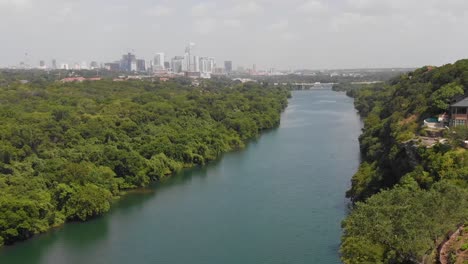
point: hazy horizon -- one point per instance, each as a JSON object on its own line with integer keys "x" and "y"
{"x": 297, "y": 34}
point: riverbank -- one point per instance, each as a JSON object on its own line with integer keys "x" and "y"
{"x": 68, "y": 151}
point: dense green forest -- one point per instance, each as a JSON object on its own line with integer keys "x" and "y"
{"x": 68, "y": 150}
{"x": 406, "y": 196}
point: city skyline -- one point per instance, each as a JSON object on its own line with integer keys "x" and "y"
{"x": 296, "y": 34}
{"x": 191, "y": 61}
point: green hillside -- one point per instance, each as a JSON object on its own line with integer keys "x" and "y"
{"x": 407, "y": 195}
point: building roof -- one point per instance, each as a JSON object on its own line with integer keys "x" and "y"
{"x": 462, "y": 103}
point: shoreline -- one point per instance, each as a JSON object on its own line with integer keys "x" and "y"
{"x": 148, "y": 189}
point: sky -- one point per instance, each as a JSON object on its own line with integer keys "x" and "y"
{"x": 281, "y": 34}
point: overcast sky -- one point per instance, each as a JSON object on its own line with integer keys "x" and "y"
{"x": 284, "y": 34}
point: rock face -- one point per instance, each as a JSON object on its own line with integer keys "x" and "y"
{"x": 411, "y": 153}
{"x": 406, "y": 160}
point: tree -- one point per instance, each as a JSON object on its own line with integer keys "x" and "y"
{"x": 442, "y": 98}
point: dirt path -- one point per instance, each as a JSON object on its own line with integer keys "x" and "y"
{"x": 445, "y": 249}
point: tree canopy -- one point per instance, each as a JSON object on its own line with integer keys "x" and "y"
{"x": 68, "y": 150}
{"x": 406, "y": 196}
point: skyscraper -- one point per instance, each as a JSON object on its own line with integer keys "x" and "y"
{"x": 207, "y": 64}
{"x": 178, "y": 64}
{"x": 54, "y": 64}
{"x": 140, "y": 65}
{"x": 204, "y": 64}
{"x": 128, "y": 62}
{"x": 196, "y": 64}
{"x": 159, "y": 61}
{"x": 189, "y": 60}
{"x": 228, "y": 66}
{"x": 211, "y": 65}
{"x": 186, "y": 63}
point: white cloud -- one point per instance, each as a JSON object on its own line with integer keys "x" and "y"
{"x": 159, "y": 11}
{"x": 287, "y": 36}
{"x": 279, "y": 26}
{"x": 205, "y": 26}
{"x": 18, "y": 4}
{"x": 245, "y": 9}
{"x": 351, "y": 21}
{"x": 232, "y": 23}
{"x": 312, "y": 7}
{"x": 410, "y": 8}
{"x": 202, "y": 9}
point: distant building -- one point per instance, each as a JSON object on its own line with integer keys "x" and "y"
{"x": 228, "y": 66}
{"x": 241, "y": 69}
{"x": 192, "y": 74}
{"x": 244, "y": 80}
{"x": 189, "y": 58}
{"x": 94, "y": 65}
{"x": 158, "y": 63}
{"x": 133, "y": 66}
{"x": 112, "y": 66}
{"x": 79, "y": 79}
{"x": 167, "y": 65}
{"x": 186, "y": 63}
{"x": 84, "y": 65}
{"x": 196, "y": 64}
{"x": 219, "y": 71}
{"x": 459, "y": 113}
{"x": 128, "y": 62}
{"x": 64, "y": 66}
{"x": 54, "y": 64}
{"x": 140, "y": 65}
{"x": 73, "y": 79}
{"x": 205, "y": 75}
{"x": 207, "y": 65}
{"x": 42, "y": 64}
{"x": 178, "y": 64}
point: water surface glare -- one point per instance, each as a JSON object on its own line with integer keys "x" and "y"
{"x": 281, "y": 200}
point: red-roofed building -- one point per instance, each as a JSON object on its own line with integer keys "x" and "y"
{"x": 79, "y": 79}
{"x": 73, "y": 79}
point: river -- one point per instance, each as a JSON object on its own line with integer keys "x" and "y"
{"x": 280, "y": 200}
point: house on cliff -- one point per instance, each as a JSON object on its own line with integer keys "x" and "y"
{"x": 459, "y": 113}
